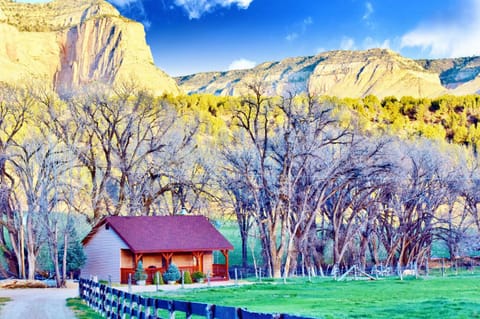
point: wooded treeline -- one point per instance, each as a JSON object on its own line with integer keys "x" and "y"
{"x": 318, "y": 180}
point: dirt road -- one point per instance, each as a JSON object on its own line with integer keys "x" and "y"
{"x": 37, "y": 303}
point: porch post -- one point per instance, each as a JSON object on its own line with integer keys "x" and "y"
{"x": 199, "y": 256}
{"x": 137, "y": 259}
{"x": 225, "y": 254}
{"x": 167, "y": 257}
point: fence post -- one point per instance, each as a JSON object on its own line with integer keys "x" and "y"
{"x": 183, "y": 279}
{"x": 399, "y": 271}
{"x": 80, "y": 284}
{"x": 188, "y": 311}
{"x": 171, "y": 309}
{"x": 236, "y": 277}
{"x": 210, "y": 311}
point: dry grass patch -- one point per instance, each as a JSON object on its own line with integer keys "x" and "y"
{"x": 19, "y": 284}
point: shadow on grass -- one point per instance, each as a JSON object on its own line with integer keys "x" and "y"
{"x": 81, "y": 310}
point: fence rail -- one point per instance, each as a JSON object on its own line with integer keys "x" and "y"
{"x": 118, "y": 304}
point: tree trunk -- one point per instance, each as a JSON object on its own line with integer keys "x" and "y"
{"x": 31, "y": 254}
{"x": 58, "y": 278}
{"x": 244, "y": 228}
{"x": 54, "y": 255}
{"x": 64, "y": 259}
{"x": 372, "y": 247}
{"x": 363, "y": 250}
{"x": 32, "y": 262}
{"x": 292, "y": 254}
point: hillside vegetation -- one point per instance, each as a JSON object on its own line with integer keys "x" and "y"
{"x": 54, "y": 15}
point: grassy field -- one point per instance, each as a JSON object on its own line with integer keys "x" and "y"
{"x": 435, "y": 297}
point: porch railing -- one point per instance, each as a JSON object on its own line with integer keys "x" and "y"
{"x": 219, "y": 271}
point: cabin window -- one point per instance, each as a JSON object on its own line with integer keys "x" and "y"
{"x": 107, "y": 226}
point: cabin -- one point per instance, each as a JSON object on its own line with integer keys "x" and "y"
{"x": 117, "y": 243}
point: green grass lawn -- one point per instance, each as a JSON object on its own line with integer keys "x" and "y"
{"x": 3, "y": 301}
{"x": 435, "y": 297}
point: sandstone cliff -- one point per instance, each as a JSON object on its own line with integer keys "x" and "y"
{"x": 347, "y": 74}
{"x": 72, "y": 43}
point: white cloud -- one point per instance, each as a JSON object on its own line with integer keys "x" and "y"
{"x": 196, "y": 8}
{"x": 347, "y": 43}
{"x": 241, "y": 64}
{"x": 368, "y": 10}
{"x": 459, "y": 37}
{"x": 369, "y": 43}
{"x": 147, "y": 24}
{"x": 291, "y": 36}
{"x": 307, "y": 21}
{"x": 299, "y": 29}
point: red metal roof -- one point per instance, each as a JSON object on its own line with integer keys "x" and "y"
{"x": 147, "y": 234}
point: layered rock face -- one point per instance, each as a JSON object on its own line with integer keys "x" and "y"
{"x": 74, "y": 43}
{"x": 379, "y": 72}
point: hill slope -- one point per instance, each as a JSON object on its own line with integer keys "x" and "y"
{"x": 71, "y": 43}
{"x": 379, "y": 72}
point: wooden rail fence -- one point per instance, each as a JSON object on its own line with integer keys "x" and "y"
{"x": 118, "y": 304}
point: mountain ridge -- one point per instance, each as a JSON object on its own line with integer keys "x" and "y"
{"x": 70, "y": 44}
{"x": 380, "y": 72}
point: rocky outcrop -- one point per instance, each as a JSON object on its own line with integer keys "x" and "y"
{"x": 379, "y": 72}
{"x": 73, "y": 43}
{"x": 461, "y": 74}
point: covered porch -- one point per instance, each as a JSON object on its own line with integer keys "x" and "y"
{"x": 186, "y": 261}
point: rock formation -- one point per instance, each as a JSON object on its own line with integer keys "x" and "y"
{"x": 379, "y": 72}
{"x": 73, "y": 43}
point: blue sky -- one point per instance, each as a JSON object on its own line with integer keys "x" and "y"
{"x": 189, "y": 36}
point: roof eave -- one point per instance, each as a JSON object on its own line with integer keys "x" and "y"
{"x": 153, "y": 251}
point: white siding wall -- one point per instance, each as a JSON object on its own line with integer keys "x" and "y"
{"x": 103, "y": 255}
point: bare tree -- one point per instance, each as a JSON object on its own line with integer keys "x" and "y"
{"x": 456, "y": 223}
{"x": 15, "y": 106}
{"x": 407, "y": 224}
{"x": 275, "y": 146}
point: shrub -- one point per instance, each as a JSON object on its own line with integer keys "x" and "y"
{"x": 139, "y": 272}
{"x": 187, "y": 278}
{"x": 198, "y": 275}
{"x": 158, "y": 279}
{"x": 172, "y": 273}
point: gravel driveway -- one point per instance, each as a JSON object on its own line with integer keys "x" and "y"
{"x": 37, "y": 303}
